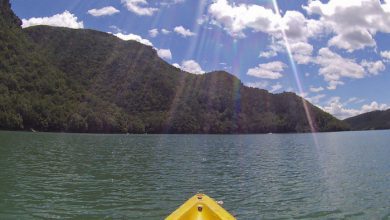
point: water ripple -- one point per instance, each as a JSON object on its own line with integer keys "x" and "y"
{"x": 67, "y": 176}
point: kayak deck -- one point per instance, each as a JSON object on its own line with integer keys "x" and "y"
{"x": 200, "y": 207}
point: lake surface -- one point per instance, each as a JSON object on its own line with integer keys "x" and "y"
{"x": 276, "y": 176}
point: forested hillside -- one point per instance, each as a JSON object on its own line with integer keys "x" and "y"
{"x": 375, "y": 120}
{"x": 59, "y": 79}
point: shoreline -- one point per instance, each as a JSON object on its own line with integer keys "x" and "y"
{"x": 273, "y": 133}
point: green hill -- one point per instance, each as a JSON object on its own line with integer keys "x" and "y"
{"x": 59, "y": 79}
{"x": 375, "y": 120}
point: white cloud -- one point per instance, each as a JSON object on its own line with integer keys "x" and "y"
{"x": 183, "y": 32}
{"x": 302, "y": 52}
{"x": 351, "y": 25}
{"x": 298, "y": 28}
{"x": 374, "y": 106}
{"x": 268, "y": 54}
{"x": 139, "y": 7}
{"x": 164, "y": 53}
{"x": 134, "y": 37}
{"x": 276, "y": 46}
{"x": 276, "y": 87}
{"x": 373, "y": 67}
{"x": 236, "y": 18}
{"x": 190, "y": 66}
{"x": 153, "y": 32}
{"x": 270, "y": 70}
{"x": 316, "y": 99}
{"x": 339, "y": 109}
{"x": 355, "y": 22}
{"x": 333, "y": 84}
{"x": 353, "y": 40}
{"x": 66, "y": 19}
{"x": 316, "y": 89}
{"x": 165, "y": 31}
{"x": 202, "y": 20}
{"x": 103, "y": 11}
{"x": 259, "y": 84}
{"x": 334, "y": 67}
{"x": 386, "y": 55}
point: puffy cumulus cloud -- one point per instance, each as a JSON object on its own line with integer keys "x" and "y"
{"x": 153, "y": 32}
{"x": 66, "y": 19}
{"x": 190, "y": 66}
{"x": 298, "y": 28}
{"x": 350, "y": 25}
{"x": 354, "y": 22}
{"x": 165, "y": 31}
{"x": 337, "y": 109}
{"x": 276, "y": 46}
{"x": 106, "y": 11}
{"x": 302, "y": 52}
{"x": 268, "y": 54}
{"x": 316, "y": 89}
{"x": 271, "y": 70}
{"x": 333, "y": 84}
{"x": 236, "y": 18}
{"x": 134, "y": 37}
{"x": 374, "y": 106}
{"x": 139, "y": 7}
{"x": 183, "y": 32}
{"x": 293, "y": 25}
{"x": 164, "y": 53}
{"x": 341, "y": 111}
{"x": 373, "y": 67}
{"x": 352, "y": 40}
{"x": 385, "y": 55}
{"x": 334, "y": 67}
{"x": 259, "y": 84}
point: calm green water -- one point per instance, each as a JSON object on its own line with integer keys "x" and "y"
{"x": 345, "y": 176}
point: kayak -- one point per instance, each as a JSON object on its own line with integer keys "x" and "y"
{"x": 200, "y": 207}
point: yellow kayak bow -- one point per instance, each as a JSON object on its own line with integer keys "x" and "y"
{"x": 200, "y": 207}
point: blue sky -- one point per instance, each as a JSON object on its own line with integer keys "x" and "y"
{"x": 334, "y": 53}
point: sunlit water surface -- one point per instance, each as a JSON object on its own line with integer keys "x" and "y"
{"x": 275, "y": 176}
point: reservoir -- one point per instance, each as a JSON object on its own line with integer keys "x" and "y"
{"x": 342, "y": 175}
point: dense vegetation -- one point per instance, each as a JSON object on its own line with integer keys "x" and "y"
{"x": 375, "y": 120}
{"x": 59, "y": 79}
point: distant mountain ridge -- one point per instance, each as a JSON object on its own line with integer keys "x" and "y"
{"x": 376, "y": 120}
{"x": 60, "y": 79}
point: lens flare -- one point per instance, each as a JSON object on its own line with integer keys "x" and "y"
{"x": 295, "y": 72}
